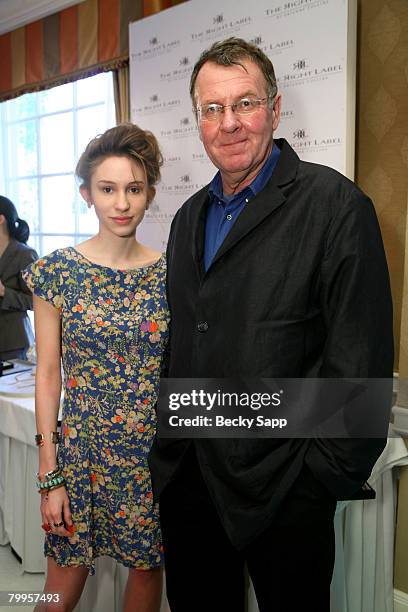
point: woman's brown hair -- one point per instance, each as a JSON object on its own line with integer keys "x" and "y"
{"x": 124, "y": 140}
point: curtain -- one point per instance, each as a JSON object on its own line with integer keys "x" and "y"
{"x": 121, "y": 93}
{"x": 80, "y": 41}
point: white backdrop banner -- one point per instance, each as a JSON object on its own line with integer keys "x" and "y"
{"x": 307, "y": 43}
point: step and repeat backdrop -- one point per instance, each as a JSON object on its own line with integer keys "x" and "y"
{"x": 312, "y": 46}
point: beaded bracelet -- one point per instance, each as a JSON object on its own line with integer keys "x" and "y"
{"x": 49, "y": 484}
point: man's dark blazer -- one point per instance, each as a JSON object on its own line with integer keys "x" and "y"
{"x": 15, "y": 328}
{"x": 299, "y": 288}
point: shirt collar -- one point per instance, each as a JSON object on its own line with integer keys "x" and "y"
{"x": 265, "y": 173}
{"x": 215, "y": 188}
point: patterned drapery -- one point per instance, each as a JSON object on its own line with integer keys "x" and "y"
{"x": 79, "y": 41}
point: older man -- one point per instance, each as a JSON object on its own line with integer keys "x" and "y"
{"x": 275, "y": 269}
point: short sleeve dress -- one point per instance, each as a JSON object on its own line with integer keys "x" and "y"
{"x": 114, "y": 329}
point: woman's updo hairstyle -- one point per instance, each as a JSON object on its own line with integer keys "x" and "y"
{"x": 17, "y": 228}
{"x": 127, "y": 140}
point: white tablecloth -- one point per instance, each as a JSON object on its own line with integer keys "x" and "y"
{"x": 363, "y": 573}
{"x": 20, "y": 518}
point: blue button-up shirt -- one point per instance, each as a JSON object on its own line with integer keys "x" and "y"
{"x": 224, "y": 210}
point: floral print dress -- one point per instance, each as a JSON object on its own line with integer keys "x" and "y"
{"x": 114, "y": 329}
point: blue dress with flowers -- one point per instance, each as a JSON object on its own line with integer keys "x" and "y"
{"x": 114, "y": 328}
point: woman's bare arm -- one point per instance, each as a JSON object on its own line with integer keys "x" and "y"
{"x": 55, "y": 504}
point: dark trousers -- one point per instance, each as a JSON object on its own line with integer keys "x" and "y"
{"x": 290, "y": 564}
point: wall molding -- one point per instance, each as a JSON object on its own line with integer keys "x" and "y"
{"x": 17, "y": 13}
{"x": 400, "y": 601}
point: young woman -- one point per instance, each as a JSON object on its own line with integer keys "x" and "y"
{"x": 15, "y": 299}
{"x": 102, "y": 306}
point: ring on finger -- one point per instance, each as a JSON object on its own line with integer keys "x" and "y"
{"x": 59, "y": 524}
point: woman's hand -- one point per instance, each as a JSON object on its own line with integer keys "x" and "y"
{"x": 55, "y": 510}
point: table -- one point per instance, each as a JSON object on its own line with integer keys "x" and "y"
{"x": 20, "y": 518}
{"x": 363, "y": 573}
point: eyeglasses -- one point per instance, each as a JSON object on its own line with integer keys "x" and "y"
{"x": 245, "y": 106}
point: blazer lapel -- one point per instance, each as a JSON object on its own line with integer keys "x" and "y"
{"x": 254, "y": 213}
{"x": 197, "y": 223}
{"x": 268, "y": 200}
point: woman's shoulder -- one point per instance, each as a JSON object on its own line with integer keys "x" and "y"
{"x": 151, "y": 260}
{"x": 159, "y": 262}
{"x": 22, "y": 251}
{"x": 59, "y": 257}
{"x": 47, "y": 276}
{"x": 50, "y": 265}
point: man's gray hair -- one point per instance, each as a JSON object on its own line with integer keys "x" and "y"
{"x": 232, "y": 51}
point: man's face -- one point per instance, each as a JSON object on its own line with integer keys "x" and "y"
{"x": 236, "y": 144}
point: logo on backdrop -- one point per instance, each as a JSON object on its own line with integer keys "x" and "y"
{"x": 157, "y": 212}
{"x": 181, "y": 186}
{"x": 300, "y": 134}
{"x": 301, "y": 141}
{"x": 156, "y": 105}
{"x": 200, "y": 158}
{"x": 182, "y": 70}
{"x": 300, "y": 64}
{"x": 171, "y": 160}
{"x": 154, "y": 48}
{"x": 183, "y": 129}
{"x": 221, "y": 27}
{"x": 291, "y": 7}
{"x": 274, "y": 47}
{"x": 304, "y": 72}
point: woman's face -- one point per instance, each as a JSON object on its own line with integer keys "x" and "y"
{"x": 119, "y": 194}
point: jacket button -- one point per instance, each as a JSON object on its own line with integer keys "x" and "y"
{"x": 202, "y": 326}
